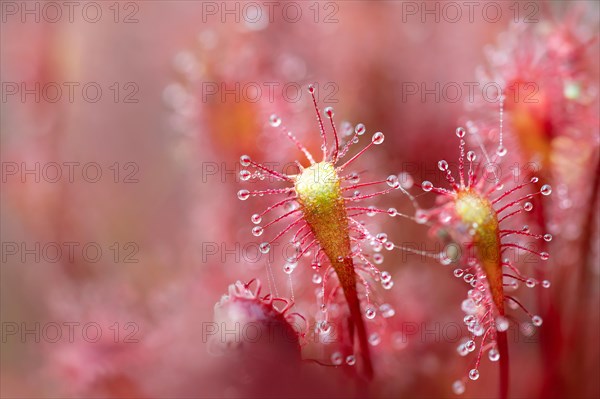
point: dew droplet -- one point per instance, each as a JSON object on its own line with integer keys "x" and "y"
{"x": 501, "y": 323}
{"x": 474, "y": 374}
{"x": 374, "y": 339}
{"x": 547, "y": 237}
{"x": 427, "y": 185}
{"x": 458, "y": 387}
{"x": 387, "y": 285}
{"x": 406, "y": 180}
{"x": 494, "y": 355}
{"x": 378, "y": 259}
{"x": 460, "y": 132}
{"x": 471, "y": 156}
{"x": 528, "y": 206}
{"x": 382, "y": 237}
{"x": 385, "y": 276}
{"x": 316, "y": 278}
{"x": 288, "y": 268}
{"x": 443, "y": 165}
{"x": 387, "y": 310}
{"x": 501, "y": 151}
{"x": 245, "y": 160}
{"x": 256, "y": 218}
{"x": 537, "y": 320}
{"x": 546, "y": 284}
{"x": 468, "y": 306}
{"x": 392, "y": 181}
{"x": 421, "y": 216}
{"x": 530, "y": 283}
{"x": 392, "y": 212}
{"x": 264, "y": 248}
{"x": 243, "y": 195}
{"x": 370, "y": 313}
{"x": 329, "y": 112}
{"x": 546, "y": 189}
{"x": 257, "y": 231}
{"x": 350, "y": 360}
{"x": 470, "y": 345}
{"x": 360, "y": 129}
{"x": 337, "y": 358}
{"x": 245, "y": 175}
{"x": 274, "y": 120}
{"x": 377, "y": 138}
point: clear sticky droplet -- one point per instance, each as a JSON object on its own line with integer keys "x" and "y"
{"x": 546, "y": 189}
{"x": 245, "y": 175}
{"x": 501, "y": 151}
{"x": 245, "y": 160}
{"x": 387, "y": 310}
{"x": 243, "y": 195}
{"x": 460, "y": 132}
{"x": 385, "y": 276}
{"x": 458, "y": 387}
{"x": 546, "y": 284}
{"x": 370, "y": 313}
{"x": 257, "y": 231}
{"x": 256, "y": 218}
{"x": 274, "y": 120}
{"x": 377, "y": 138}
{"x": 443, "y": 165}
{"x": 501, "y": 323}
{"x": 329, "y": 112}
{"x": 360, "y": 129}
{"x": 427, "y": 185}
{"x": 387, "y": 285}
{"x": 494, "y": 355}
{"x": 474, "y": 374}
{"x": 374, "y": 339}
{"x": 471, "y": 156}
{"x": 421, "y": 216}
{"x": 264, "y": 248}
{"x": 337, "y": 358}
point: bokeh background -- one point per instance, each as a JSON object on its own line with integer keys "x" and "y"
{"x": 158, "y": 234}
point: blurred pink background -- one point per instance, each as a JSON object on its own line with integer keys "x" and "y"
{"x": 172, "y": 233}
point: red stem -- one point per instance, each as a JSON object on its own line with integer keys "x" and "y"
{"x": 502, "y": 342}
{"x": 347, "y": 278}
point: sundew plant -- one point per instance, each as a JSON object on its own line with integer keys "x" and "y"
{"x": 300, "y": 199}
